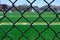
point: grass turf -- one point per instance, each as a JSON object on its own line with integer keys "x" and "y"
{"x": 31, "y": 16}
{"x": 31, "y": 33}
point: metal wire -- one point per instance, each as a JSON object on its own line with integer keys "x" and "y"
{"x": 31, "y": 23}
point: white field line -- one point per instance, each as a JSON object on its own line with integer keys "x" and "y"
{"x": 26, "y": 23}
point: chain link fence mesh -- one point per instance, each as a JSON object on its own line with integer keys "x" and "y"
{"x": 43, "y": 31}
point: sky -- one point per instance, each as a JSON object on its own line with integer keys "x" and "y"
{"x": 38, "y": 3}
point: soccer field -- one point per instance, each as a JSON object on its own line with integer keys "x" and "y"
{"x": 23, "y": 25}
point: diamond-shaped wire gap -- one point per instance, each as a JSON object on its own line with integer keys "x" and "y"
{"x": 22, "y": 21}
{"x": 40, "y": 4}
{"x": 14, "y": 15}
{"x": 8, "y": 4}
{"x": 23, "y": 38}
{"x": 23, "y": 24}
{"x": 13, "y": 0}
{"x": 22, "y": 3}
{"x": 5, "y": 21}
{"x": 48, "y": 16}
{"x": 31, "y": 34}
{"x": 55, "y": 27}
{"x": 40, "y": 38}
{"x": 1, "y": 14}
{"x": 55, "y": 22}
{"x": 49, "y": 1}
{"x": 2, "y": 34}
{"x": 39, "y": 22}
{"x": 23, "y": 27}
{"x": 31, "y": 1}
{"x": 53, "y": 7}
{"x": 48, "y": 34}
{"x": 55, "y": 1}
{"x": 6, "y": 27}
{"x": 14, "y": 33}
{"x": 7, "y": 38}
{"x": 31, "y": 15}
{"x": 23, "y": 8}
{"x": 40, "y": 28}
{"x": 46, "y": 8}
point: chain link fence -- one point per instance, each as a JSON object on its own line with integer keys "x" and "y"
{"x": 32, "y": 31}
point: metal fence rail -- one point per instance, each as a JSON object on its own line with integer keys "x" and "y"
{"x": 30, "y": 23}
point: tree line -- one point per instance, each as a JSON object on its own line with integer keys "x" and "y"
{"x": 22, "y": 8}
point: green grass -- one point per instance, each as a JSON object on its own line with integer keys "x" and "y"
{"x": 31, "y": 33}
{"x": 31, "y": 16}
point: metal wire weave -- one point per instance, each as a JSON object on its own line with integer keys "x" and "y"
{"x": 31, "y": 23}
